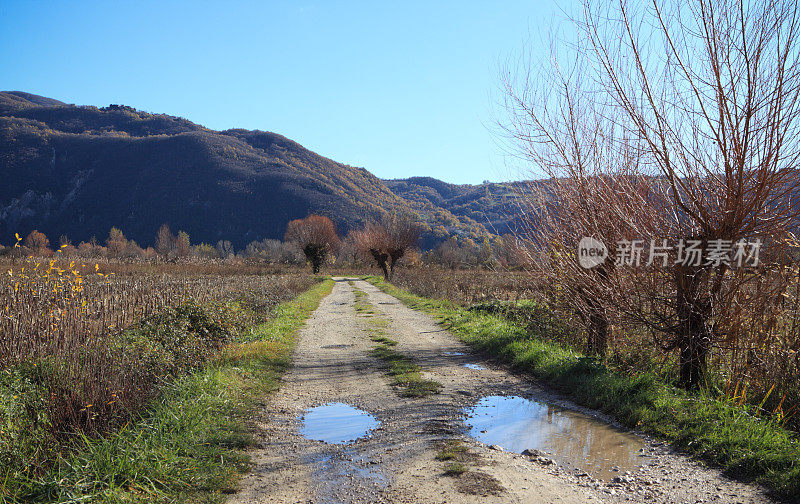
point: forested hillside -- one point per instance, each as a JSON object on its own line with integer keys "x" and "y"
{"x": 490, "y": 205}
{"x": 79, "y": 170}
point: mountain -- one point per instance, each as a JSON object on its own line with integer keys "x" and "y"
{"x": 79, "y": 170}
{"x": 490, "y": 205}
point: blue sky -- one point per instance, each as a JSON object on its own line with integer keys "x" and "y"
{"x": 401, "y": 88}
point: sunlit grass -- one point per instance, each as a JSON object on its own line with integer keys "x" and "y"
{"x": 726, "y": 434}
{"x": 453, "y": 449}
{"x": 184, "y": 444}
{"x": 405, "y": 373}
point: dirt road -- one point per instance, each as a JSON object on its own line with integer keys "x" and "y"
{"x": 397, "y": 462}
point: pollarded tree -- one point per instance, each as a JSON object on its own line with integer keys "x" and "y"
{"x": 712, "y": 89}
{"x": 703, "y": 98}
{"x": 315, "y": 236}
{"x": 387, "y": 241}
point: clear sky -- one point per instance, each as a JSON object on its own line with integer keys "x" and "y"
{"x": 400, "y": 88}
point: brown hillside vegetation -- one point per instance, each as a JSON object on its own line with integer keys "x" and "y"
{"x": 80, "y": 170}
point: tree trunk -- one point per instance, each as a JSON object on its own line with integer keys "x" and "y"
{"x": 315, "y": 254}
{"x": 394, "y": 256}
{"x": 694, "y": 334}
{"x": 596, "y": 325}
{"x": 598, "y": 334}
{"x": 693, "y": 361}
{"x": 381, "y": 258}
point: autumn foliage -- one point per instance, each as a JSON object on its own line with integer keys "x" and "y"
{"x": 315, "y": 236}
{"x": 387, "y": 241}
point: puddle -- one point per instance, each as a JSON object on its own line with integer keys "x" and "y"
{"x": 336, "y": 473}
{"x": 336, "y": 423}
{"x": 336, "y": 346}
{"x": 456, "y": 354}
{"x": 572, "y": 439}
{"x": 474, "y": 366}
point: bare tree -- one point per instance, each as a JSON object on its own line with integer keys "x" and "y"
{"x": 719, "y": 118}
{"x": 224, "y": 249}
{"x": 182, "y": 244}
{"x": 116, "y": 243}
{"x": 704, "y": 95}
{"x": 349, "y": 252}
{"x": 165, "y": 241}
{"x": 66, "y": 248}
{"x": 315, "y": 236}
{"x": 594, "y": 189}
{"x": 273, "y": 252}
{"x": 133, "y": 250}
{"x": 387, "y": 241}
{"x": 512, "y": 252}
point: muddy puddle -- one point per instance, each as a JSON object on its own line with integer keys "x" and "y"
{"x": 454, "y": 354}
{"x": 336, "y": 423}
{"x": 336, "y": 473}
{"x": 476, "y": 367}
{"x": 570, "y": 438}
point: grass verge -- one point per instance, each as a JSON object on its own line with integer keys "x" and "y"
{"x": 187, "y": 446}
{"x": 731, "y": 437}
{"x": 454, "y": 469}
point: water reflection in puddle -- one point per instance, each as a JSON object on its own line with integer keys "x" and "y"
{"x": 336, "y": 423}
{"x": 474, "y": 366}
{"x": 456, "y": 354}
{"x": 572, "y": 439}
{"x": 337, "y": 472}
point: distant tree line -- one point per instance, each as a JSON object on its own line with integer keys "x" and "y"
{"x": 314, "y": 240}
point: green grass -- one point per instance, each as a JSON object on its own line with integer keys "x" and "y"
{"x": 461, "y": 463}
{"x": 363, "y": 307}
{"x": 731, "y": 437}
{"x": 405, "y": 373}
{"x": 455, "y": 469}
{"x": 187, "y": 446}
{"x": 453, "y": 449}
{"x": 383, "y": 340}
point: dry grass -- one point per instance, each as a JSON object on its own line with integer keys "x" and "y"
{"x": 465, "y": 286}
{"x": 760, "y": 367}
{"x": 83, "y": 347}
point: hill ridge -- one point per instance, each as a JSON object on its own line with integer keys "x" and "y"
{"x": 79, "y": 170}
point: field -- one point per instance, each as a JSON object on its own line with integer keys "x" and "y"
{"x": 90, "y": 349}
{"x": 139, "y": 380}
